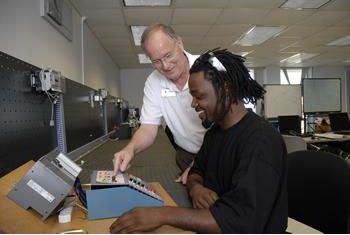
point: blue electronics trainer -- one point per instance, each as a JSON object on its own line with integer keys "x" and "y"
{"x": 112, "y": 196}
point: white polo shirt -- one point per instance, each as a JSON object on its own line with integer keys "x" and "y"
{"x": 163, "y": 99}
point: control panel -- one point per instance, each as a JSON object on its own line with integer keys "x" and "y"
{"x": 107, "y": 177}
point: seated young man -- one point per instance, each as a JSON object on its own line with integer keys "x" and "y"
{"x": 238, "y": 180}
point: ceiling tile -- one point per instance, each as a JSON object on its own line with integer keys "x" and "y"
{"x": 201, "y": 3}
{"x": 191, "y": 30}
{"x": 115, "y": 41}
{"x": 200, "y": 16}
{"x": 116, "y": 50}
{"x": 229, "y": 30}
{"x": 255, "y": 3}
{"x": 345, "y": 22}
{"x": 111, "y": 31}
{"x": 205, "y": 24}
{"x": 242, "y": 16}
{"x": 104, "y": 17}
{"x": 93, "y": 4}
{"x": 285, "y": 16}
{"x": 280, "y": 42}
{"x": 337, "y": 5}
{"x": 325, "y": 18}
{"x": 219, "y": 40}
{"x": 301, "y": 31}
{"x": 191, "y": 40}
{"x": 147, "y": 15}
{"x": 333, "y": 33}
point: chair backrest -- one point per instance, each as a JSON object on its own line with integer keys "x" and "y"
{"x": 319, "y": 190}
{"x": 294, "y": 143}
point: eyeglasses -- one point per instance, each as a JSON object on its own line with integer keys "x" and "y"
{"x": 168, "y": 58}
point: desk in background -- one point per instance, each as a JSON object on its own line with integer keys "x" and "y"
{"x": 317, "y": 140}
{"x": 14, "y": 219}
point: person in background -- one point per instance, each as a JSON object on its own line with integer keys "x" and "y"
{"x": 166, "y": 95}
{"x": 238, "y": 180}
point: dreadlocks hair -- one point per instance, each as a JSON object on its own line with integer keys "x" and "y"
{"x": 225, "y": 69}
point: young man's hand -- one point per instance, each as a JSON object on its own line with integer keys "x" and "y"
{"x": 202, "y": 197}
{"x": 138, "y": 220}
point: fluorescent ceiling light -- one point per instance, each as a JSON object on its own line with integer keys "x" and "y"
{"x": 152, "y": 3}
{"x": 344, "y": 41}
{"x": 347, "y": 61}
{"x": 245, "y": 53}
{"x": 298, "y": 58}
{"x": 143, "y": 59}
{"x": 304, "y": 4}
{"x": 258, "y": 34}
{"x": 137, "y": 32}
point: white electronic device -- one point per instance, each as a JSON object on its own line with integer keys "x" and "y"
{"x": 46, "y": 184}
{"x": 51, "y": 80}
{"x": 107, "y": 178}
{"x": 68, "y": 165}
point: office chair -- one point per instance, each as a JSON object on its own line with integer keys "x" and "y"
{"x": 319, "y": 190}
{"x": 340, "y": 122}
{"x": 289, "y": 123}
{"x": 294, "y": 143}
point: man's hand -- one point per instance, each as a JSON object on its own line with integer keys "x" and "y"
{"x": 138, "y": 220}
{"x": 121, "y": 160}
{"x": 183, "y": 177}
{"x": 202, "y": 197}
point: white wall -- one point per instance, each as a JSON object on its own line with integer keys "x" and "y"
{"x": 24, "y": 34}
{"x": 132, "y": 82}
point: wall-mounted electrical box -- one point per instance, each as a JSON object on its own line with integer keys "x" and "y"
{"x": 48, "y": 80}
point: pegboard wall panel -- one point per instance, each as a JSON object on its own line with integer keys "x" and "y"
{"x": 25, "y": 133}
{"x": 83, "y": 122}
{"x": 113, "y": 116}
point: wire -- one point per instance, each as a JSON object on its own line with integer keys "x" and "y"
{"x": 81, "y": 207}
{"x": 53, "y": 100}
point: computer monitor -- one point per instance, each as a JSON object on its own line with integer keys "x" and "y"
{"x": 289, "y": 123}
{"x": 339, "y": 121}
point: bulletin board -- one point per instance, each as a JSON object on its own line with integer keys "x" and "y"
{"x": 282, "y": 100}
{"x": 321, "y": 95}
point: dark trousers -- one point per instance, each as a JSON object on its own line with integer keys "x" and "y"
{"x": 183, "y": 158}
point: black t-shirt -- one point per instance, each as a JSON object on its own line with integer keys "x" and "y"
{"x": 246, "y": 166}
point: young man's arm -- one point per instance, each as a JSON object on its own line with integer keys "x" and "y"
{"x": 147, "y": 219}
{"x": 202, "y": 197}
{"x": 141, "y": 140}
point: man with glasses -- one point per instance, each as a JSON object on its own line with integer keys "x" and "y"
{"x": 239, "y": 177}
{"x": 166, "y": 95}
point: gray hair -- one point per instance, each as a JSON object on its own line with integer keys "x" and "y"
{"x": 156, "y": 27}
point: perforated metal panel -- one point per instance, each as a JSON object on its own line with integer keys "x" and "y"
{"x": 83, "y": 123}
{"x": 113, "y": 115}
{"x": 25, "y": 133}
